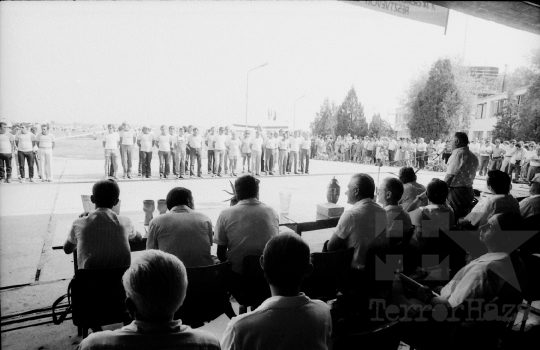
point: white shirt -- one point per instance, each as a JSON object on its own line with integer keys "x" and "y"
{"x": 45, "y": 141}
{"x": 195, "y": 141}
{"x": 219, "y": 142}
{"x": 281, "y": 323}
{"x": 295, "y": 144}
{"x": 181, "y": 142}
{"x": 5, "y": 142}
{"x": 127, "y": 137}
{"x": 474, "y": 147}
{"x": 146, "y": 142}
{"x": 256, "y": 144}
{"x": 306, "y": 144}
{"x": 111, "y": 140}
{"x": 422, "y": 146}
{"x": 530, "y": 206}
{"x": 164, "y": 142}
{"x": 25, "y": 141}
{"x": 270, "y": 143}
{"x": 392, "y": 146}
{"x": 486, "y": 150}
{"x": 283, "y": 144}
{"x": 210, "y": 140}
{"x": 234, "y": 147}
{"x": 246, "y": 145}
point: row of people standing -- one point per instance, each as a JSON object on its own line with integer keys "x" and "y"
{"x": 28, "y": 144}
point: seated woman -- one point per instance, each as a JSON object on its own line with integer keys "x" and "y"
{"x": 411, "y": 188}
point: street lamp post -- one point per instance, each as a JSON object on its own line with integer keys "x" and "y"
{"x": 247, "y": 87}
{"x": 294, "y": 114}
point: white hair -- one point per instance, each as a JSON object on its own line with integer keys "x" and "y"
{"x": 156, "y": 283}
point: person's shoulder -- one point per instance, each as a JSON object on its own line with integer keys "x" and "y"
{"x": 205, "y": 339}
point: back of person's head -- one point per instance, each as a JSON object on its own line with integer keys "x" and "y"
{"x": 394, "y": 186}
{"x": 504, "y": 229}
{"x": 105, "y": 193}
{"x": 462, "y": 137}
{"x": 246, "y": 187}
{"x": 437, "y": 191}
{"x": 499, "y": 181}
{"x": 286, "y": 261}
{"x": 179, "y": 196}
{"x": 406, "y": 175}
{"x": 365, "y": 184}
{"x": 156, "y": 283}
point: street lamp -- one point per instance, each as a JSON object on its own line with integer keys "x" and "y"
{"x": 294, "y": 115}
{"x": 247, "y": 87}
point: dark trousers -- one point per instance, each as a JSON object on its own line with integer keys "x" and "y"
{"x": 288, "y": 162}
{"x": 211, "y": 161}
{"x": 140, "y": 161}
{"x": 495, "y": 164}
{"x": 146, "y": 160}
{"x": 188, "y": 157}
{"x": 304, "y": 155}
{"x": 5, "y": 162}
{"x": 460, "y": 199}
{"x": 391, "y": 154}
{"x": 420, "y": 157}
{"x": 511, "y": 169}
{"x": 173, "y": 159}
{"x": 195, "y": 154}
{"x": 164, "y": 167}
{"x": 29, "y": 156}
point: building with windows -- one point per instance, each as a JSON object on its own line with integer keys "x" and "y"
{"x": 484, "y": 120}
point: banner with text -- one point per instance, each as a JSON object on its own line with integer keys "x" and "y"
{"x": 421, "y": 11}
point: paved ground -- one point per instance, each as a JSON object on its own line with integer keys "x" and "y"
{"x": 34, "y": 217}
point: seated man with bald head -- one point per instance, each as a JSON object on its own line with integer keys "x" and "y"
{"x": 101, "y": 237}
{"x": 155, "y": 287}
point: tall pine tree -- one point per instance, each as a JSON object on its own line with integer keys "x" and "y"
{"x": 350, "y": 116}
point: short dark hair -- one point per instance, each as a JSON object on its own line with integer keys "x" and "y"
{"x": 106, "y": 193}
{"x": 179, "y": 196}
{"x": 406, "y": 175}
{"x": 395, "y": 186}
{"x": 462, "y": 137}
{"x": 246, "y": 187}
{"x": 285, "y": 260}
{"x": 365, "y": 184}
{"x": 499, "y": 181}
{"x": 437, "y": 191}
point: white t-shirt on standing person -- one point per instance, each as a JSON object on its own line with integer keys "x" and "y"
{"x": 256, "y": 144}
{"x": 45, "y": 141}
{"x": 164, "y": 142}
{"x": 234, "y": 147}
{"x": 127, "y": 137}
{"x": 111, "y": 140}
{"x": 219, "y": 142}
{"x": 25, "y": 141}
{"x": 5, "y": 142}
{"x": 146, "y": 142}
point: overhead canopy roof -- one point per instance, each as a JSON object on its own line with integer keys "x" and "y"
{"x": 523, "y": 15}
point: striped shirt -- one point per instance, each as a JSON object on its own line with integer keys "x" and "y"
{"x": 102, "y": 239}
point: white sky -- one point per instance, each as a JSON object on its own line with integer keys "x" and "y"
{"x": 186, "y": 62}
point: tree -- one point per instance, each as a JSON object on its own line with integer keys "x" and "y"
{"x": 508, "y": 119}
{"x": 435, "y": 110}
{"x": 379, "y": 127}
{"x": 325, "y": 120}
{"x": 350, "y": 116}
{"x": 529, "y": 113}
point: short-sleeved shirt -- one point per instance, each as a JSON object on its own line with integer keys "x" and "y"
{"x": 530, "y": 206}
{"x": 497, "y": 152}
{"x": 422, "y": 146}
{"x": 234, "y": 147}
{"x": 295, "y": 144}
{"x": 111, "y": 140}
{"x": 510, "y": 151}
{"x": 256, "y": 144}
{"x": 431, "y": 219}
{"x": 535, "y": 160}
{"x": 483, "y": 279}
{"x": 359, "y": 226}
{"x": 6, "y": 140}
{"x": 164, "y": 142}
{"x": 486, "y": 151}
{"x": 25, "y": 141}
{"x": 141, "y": 335}
{"x": 210, "y": 140}
{"x": 127, "y": 137}
{"x": 174, "y": 141}
{"x": 491, "y": 205}
{"x": 102, "y": 239}
{"x": 146, "y": 142}
{"x": 45, "y": 141}
{"x": 270, "y": 143}
{"x": 306, "y": 144}
{"x": 184, "y": 233}
{"x": 281, "y": 323}
{"x": 474, "y": 147}
{"x": 246, "y": 145}
{"x": 519, "y": 155}
{"x": 219, "y": 142}
{"x": 410, "y": 191}
{"x": 245, "y": 229}
{"x": 462, "y": 164}
{"x": 283, "y": 144}
{"x": 195, "y": 141}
